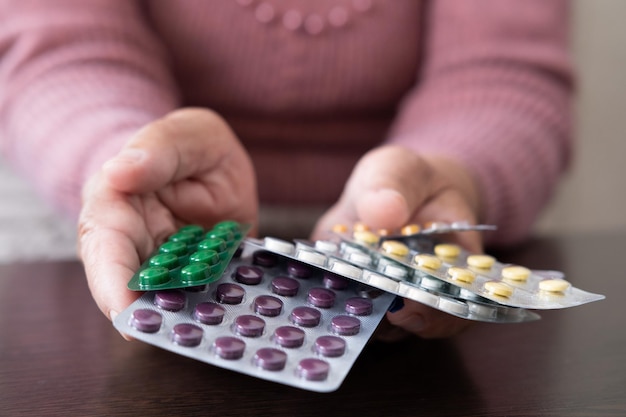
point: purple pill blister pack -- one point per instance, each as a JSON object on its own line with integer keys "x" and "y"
{"x": 268, "y": 316}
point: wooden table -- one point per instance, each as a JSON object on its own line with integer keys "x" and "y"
{"x": 60, "y": 357}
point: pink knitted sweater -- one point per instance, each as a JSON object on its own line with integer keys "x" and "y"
{"x": 307, "y": 86}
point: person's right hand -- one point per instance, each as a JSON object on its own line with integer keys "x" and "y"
{"x": 187, "y": 167}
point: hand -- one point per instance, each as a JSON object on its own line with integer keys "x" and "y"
{"x": 391, "y": 187}
{"x": 187, "y": 167}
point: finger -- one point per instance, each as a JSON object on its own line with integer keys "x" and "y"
{"x": 385, "y": 188}
{"x": 109, "y": 268}
{"x": 389, "y": 184}
{"x": 425, "y": 321}
{"x": 113, "y": 238}
{"x": 141, "y": 219}
{"x": 194, "y": 163}
{"x": 180, "y": 145}
{"x": 449, "y": 206}
{"x": 386, "y": 332}
{"x": 338, "y": 214}
{"x": 398, "y": 187}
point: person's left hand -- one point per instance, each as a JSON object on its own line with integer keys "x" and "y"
{"x": 391, "y": 187}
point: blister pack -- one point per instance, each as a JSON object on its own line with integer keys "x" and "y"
{"x": 361, "y": 266}
{"x": 471, "y": 277}
{"x": 192, "y": 256}
{"x": 267, "y": 316}
{"x": 414, "y": 230}
{"x": 299, "y": 313}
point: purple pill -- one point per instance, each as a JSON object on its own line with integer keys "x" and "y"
{"x": 249, "y": 326}
{"x": 229, "y": 293}
{"x": 250, "y": 275}
{"x": 266, "y": 305}
{"x": 285, "y": 286}
{"x": 359, "y": 306}
{"x": 289, "y": 336}
{"x": 313, "y": 369}
{"x": 345, "y": 325}
{"x": 209, "y": 313}
{"x": 330, "y": 346}
{"x": 186, "y": 334}
{"x": 146, "y": 320}
{"x": 306, "y": 316}
{"x": 321, "y": 297}
{"x": 334, "y": 281}
{"x": 172, "y": 300}
{"x": 264, "y": 258}
{"x": 270, "y": 359}
{"x": 298, "y": 269}
{"x": 228, "y": 347}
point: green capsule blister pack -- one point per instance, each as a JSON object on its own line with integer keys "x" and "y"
{"x": 191, "y": 257}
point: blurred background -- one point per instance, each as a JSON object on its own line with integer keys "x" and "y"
{"x": 592, "y": 197}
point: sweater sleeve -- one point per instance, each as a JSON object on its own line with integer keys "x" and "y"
{"x": 77, "y": 78}
{"x": 495, "y": 94}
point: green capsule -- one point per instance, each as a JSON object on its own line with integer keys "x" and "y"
{"x": 195, "y": 272}
{"x": 214, "y": 244}
{"x": 206, "y": 256}
{"x": 177, "y": 248}
{"x": 153, "y": 276}
{"x": 194, "y": 229}
{"x": 165, "y": 260}
{"x": 224, "y": 234}
{"x": 184, "y": 237}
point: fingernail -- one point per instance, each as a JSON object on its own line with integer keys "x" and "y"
{"x": 113, "y": 314}
{"x": 128, "y": 156}
{"x": 396, "y": 305}
{"x": 126, "y": 337}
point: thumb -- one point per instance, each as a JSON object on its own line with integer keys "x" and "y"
{"x": 389, "y": 185}
{"x": 182, "y": 144}
{"x": 386, "y": 188}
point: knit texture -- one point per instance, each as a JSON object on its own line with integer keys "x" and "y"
{"x": 487, "y": 82}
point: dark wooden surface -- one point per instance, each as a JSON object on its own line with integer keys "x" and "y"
{"x": 60, "y": 357}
